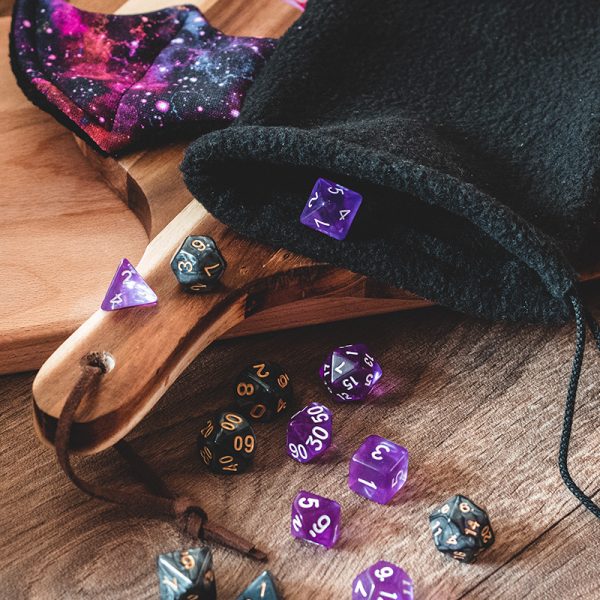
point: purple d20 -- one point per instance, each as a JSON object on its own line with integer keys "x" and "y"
{"x": 315, "y": 519}
{"x": 128, "y": 289}
{"x": 331, "y": 209}
{"x": 309, "y": 433}
{"x": 383, "y": 580}
{"x": 350, "y": 372}
{"x": 378, "y": 469}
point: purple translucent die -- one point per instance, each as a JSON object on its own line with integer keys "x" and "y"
{"x": 378, "y": 469}
{"x": 127, "y": 289}
{"x": 315, "y": 519}
{"x": 350, "y": 372}
{"x": 309, "y": 432}
{"x": 331, "y": 209}
{"x": 383, "y": 580}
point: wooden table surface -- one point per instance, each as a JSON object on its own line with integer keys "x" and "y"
{"x": 479, "y": 407}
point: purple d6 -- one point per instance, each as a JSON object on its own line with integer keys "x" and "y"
{"x": 309, "y": 432}
{"x": 350, "y": 372}
{"x": 383, "y": 580}
{"x": 331, "y": 209}
{"x": 378, "y": 469}
{"x": 315, "y": 519}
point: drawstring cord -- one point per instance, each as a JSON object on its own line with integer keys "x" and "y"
{"x": 582, "y": 318}
{"x": 160, "y": 499}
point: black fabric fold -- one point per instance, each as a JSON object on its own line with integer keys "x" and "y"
{"x": 470, "y": 129}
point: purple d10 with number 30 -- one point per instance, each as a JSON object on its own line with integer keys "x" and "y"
{"x": 378, "y": 469}
{"x": 331, "y": 209}
{"x": 383, "y": 580}
{"x": 315, "y": 519}
{"x": 309, "y": 432}
{"x": 350, "y": 372}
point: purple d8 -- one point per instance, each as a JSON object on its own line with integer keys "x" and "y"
{"x": 309, "y": 432}
{"x": 383, "y": 580}
{"x": 315, "y": 519}
{"x": 331, "y": 209}
{"x": 350, "y": 372}
{"x": 378, "y": 469}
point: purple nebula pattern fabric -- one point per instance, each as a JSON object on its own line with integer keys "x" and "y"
{"x": 121, "y": 80}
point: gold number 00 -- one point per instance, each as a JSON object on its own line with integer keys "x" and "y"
{"x": 230, "y": 420}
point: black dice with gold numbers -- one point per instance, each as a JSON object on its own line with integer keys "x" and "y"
{"x": 187, "y": 575}
{"x": 461, "y": 529}
{"x": 198, "y": 264}
{"x": 227, "y": 443}
{"x": 263, "y": 391}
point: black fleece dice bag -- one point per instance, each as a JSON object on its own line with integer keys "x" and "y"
{"x": 470, "y": 128}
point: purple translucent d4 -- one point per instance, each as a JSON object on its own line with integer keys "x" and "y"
{"x": 383, "y": 580}
{"x": 309, "y": 432}
{"x": 331, "y": 209}
{"x": 350, "y": 372}
{"x": 378, "y": 469}
{"x": 315, "y": 519}
{"x": 128, "y": 289}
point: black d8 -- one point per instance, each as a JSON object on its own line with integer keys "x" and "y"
{"x": 198, "y": 264}
{"x": 263, "y": 391}
{"x": 461, "y": 529}
{"x": 227, "y": 443}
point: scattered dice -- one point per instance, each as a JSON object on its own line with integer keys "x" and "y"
{"x": 331, "y": 209}
{"x": 350, "y": 372}
{"x": 382, "y": 580}
{"x": 378, "y": 469}
{"x": 127, "y": 289}
{"x": 263, "y": 391}
{"x": 315, "y": 519}
{"x": 262, "y": 588}
{"x": 309, "y": 432}
{"x": 227, "y": 443}
{"x": 198, "y": 264}
{"x": 186, "y": 575}
{"x": 461, "y": 529}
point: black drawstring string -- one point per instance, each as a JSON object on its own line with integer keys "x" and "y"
{"x": 582, "y": 317}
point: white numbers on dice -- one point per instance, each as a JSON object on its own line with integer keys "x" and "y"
{"x": 318, "y": 434}
{"x": 298, "y": 451}
{"x": 308, "y": 503}
{"x": 344, "y": 213}
{"x": 127, "y": 274}
{"x": 297, "y": 523}
{"x": 360, "y": 588}
{"x": 317, "y": 414}
{"x": 370, "y": 484}
{"x": 344, "y": 396}
{"x": 369, "y": 379}
{"x": 369, "y": 360}
{"x": 323, "y": 522}
{"x": 313, "y": 199}
{"x": 383, "y": 573}
{"x": 376, "y": 454}
{"x": 116, "y": 300}
{"x": 336, "y": 190}
{"x": 349, "y": 383}
{"x": 391, "y": 595}
{"x": 407, "y": 588}
{"x": 319, "y": 223}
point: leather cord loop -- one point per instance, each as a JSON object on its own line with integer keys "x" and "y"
{"x": 159, "y": 500}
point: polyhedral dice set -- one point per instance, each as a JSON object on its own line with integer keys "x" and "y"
{"x": 461, "y": 529}
{"x": 309, "y": 433}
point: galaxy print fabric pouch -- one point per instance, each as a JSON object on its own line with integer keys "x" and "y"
{"x": 124, "y": 81}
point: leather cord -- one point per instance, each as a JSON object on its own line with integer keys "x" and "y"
{"x": 159, "y": 500}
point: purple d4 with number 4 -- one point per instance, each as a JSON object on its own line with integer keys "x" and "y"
{"x": 128, "y": 289}
{"x": 383, "y": 580}
{"x": 309, "y": 433}
{"x": 331, "y": 209}
{"x": 378, "y": 469}
{"x": 350, "y": 372}
{"x": 315, "y": 519}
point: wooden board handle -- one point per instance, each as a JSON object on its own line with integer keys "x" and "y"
{"x": 151, "y": 346}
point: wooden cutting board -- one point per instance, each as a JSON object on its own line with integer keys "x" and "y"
{"x": 64, "y": 231}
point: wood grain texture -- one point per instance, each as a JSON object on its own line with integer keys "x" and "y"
{"x": 479, "y": 407}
